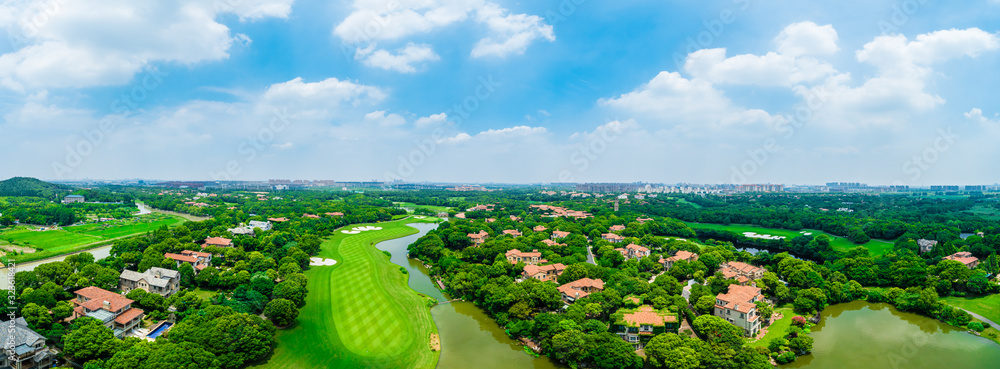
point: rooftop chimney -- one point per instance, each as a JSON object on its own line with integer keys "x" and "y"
{"x": 107, "y": 305}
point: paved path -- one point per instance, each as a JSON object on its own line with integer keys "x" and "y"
{"x": 686, "y": 292}
{"x": 590, "y": 256}
{"x": 980, "y": 317}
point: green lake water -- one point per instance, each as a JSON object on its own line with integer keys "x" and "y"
{"x": 865, "y": 335}
{"x": 469, "y": 337}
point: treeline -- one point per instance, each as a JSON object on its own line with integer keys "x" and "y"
{"x": 34, "y": 210}
{"x": 31, "y": 187}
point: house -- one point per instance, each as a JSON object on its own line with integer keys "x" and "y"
{"x": 643, "y": 220}
{"x": 580, "y": 288}
{"x": 633, "y": 251}
{"x": 310, "y": 216}
{"x": 680, "y": 255}
{"x": 637, "y": 326}
{"x": 198, "y": 260}
{"x": 539, "y": 228}
{"x": 611, "y": 237}
{"x": 513, "y": 232}
{"x": 69, "y": 199}
{"x": 163, "y": 282}
{"x": 738, "y": 306}
{"x": 277, "y": 220}
{"x": 218, "y": 242}
{"x": 926, "y": 245}
{"x": 559, "y": 234}
{"x": 543, "y": 272}
{"x": 964, "y": 257}
{"x": 742, "y": 272}
{"x": 478, "y": 238}
{"x": 551, "y": 243}
{"x": 515, "y": 218}
{"x": 113, "y": 309}
{"x": 241, "y": 231}
{"x": 25, "y": 348}
{"x": 616, "y": 228}
{"x": 264, "y": 226}
{"x": 335, "y": 214}
{"x": 531, "y": 258}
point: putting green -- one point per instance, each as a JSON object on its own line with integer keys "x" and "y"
{"x": 359, "y": 313}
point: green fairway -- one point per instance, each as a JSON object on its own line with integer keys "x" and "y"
{"x": 359, "y": 313}
{"x": 49, "y": 240}
{"x": 876, "y": 247}
{"x": 987, "y": 306}
{"x": 79, "y": 238}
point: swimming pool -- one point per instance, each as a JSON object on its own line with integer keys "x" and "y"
{"x": 159, "y": 330}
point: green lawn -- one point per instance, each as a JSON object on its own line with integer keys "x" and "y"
{"x": 359, "y": 313}
{"x": 876, "y": 247}
{"x": 987, "y": 306}
{"x": 79, "y": 238}
{"x": 435, "y": 209}
{"x": 777, "y": 329}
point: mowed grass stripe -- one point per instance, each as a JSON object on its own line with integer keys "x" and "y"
{"x": 360, "y": 313}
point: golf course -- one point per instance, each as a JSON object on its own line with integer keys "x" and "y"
{"x": 360, "y": 312}
{"x": 78, "y": 238}
{"x": 875, "y": 247}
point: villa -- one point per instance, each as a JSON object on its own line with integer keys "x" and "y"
{"x": 114, "y": 310}
{"x": 217, "y": 242}
{"x": 633, "y": 251}
{"x": 25, "y": 348}
{"x": 580, "y": 288}
{"x": 637, "y": 326}
{"x": 742, "y": 272}
{"x": 964, "y": 257}
{"x": 738, "y": 306}
{"x": 616, "y": 228}
{"x": 478, "y": 238}
{"x": 163, "y": 282}
{"x": 926, "y": 245}
{"x": 512, "y": 232}
{"x": 516, "y": 256}
{"x": 613, "y": 238}
{"x": 643, "y": 220}
{"x": 549, "y": 242}
{"x": 559, "y": 234}
{"x": 680, "y": 255}
{"x": 543, "y": 272}
{"x": 198, "y": 260}
{"x": 539, "y": 228}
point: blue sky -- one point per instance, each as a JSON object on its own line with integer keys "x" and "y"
{"x": 742, "y": 91}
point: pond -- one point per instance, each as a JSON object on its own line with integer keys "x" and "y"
{"x": 866, "y": 335}
{"x": 469, "y": 337}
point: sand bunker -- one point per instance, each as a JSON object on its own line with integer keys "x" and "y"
{"x": 366, "y": 228}
{"x": 419, "y": 217}
{"x": 321, "y": 262}
{"x": 764, "y": 236}
{"x": 351, "y": 232}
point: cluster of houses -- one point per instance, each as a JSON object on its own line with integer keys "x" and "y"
{"x": 556, "y": 211}
{"x": 248, "y": 229}
{"x": 963, "y": 257}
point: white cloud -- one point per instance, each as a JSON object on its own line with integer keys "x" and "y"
{"x": 791, "y": 65}
{"x": 510, "y": 33}
{"x": 402, "y": 61}
{"x": 432, "y": 120}
{"x": 99, "y": 43}
{"x": 379, "y": 117}
{"x": 517, "y": 133}
{"x": 976, "y": 115}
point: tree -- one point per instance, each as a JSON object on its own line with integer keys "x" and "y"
{"x": 765, "y": 310}
{"x": 292, "y": 291}
{"x": 89, "y": 340}
{"x": 282, "y": 312}
{"x": 607, "y": 351}
{"x": 705, "y": 304}
{"x": 37, "y": 316}
{"x": 568, "y": 346}
{"x": 801, "y": 344}
{"x": 185, "y": 355}
{"x": 718, "y": 331}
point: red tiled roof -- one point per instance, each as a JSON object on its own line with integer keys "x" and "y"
{"x": 739, "y": 298}
{"x": 531, "y": 270}
{"x": 282, "y": 219}
{"x": 179, "y": 257}
{"x": 964, "y": 257}
{"x": 97, "y": 296}
{"x": 636, "y": 248}
{"x": 645, "y": 315}
{"x": 311, "y": 216}
{"x": 539, "y": 228}
{"x": 559, "y": 234}
{"x": 129, "y": 315}
{"x": 512, "y": 232}
{"x": 218, "y": 241}
{"x": 522, "y": 254}
{"x": 336, "y": 213}
{"x": 617, "y": 227}
{"x": 196, "y": 253}
{"x": 612, "y": 236}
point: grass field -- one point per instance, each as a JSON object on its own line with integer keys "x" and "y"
{"x": 359, "y": 313}
{"x": 876, "y": 247}
{"x": 78, "y": 238}
{"x": 987, "y": 306}
{"x": 776, "y": 329}
{"x": 435, "y": 209}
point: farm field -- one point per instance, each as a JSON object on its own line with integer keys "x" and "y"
{"x": 359, "y": 313}
{"x": 876, "y": 247}
{"x": 78, "y": 238}
{"x": 987, "y": 306}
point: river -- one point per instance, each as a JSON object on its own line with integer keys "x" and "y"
{"x": 469, "y": 337}
{"x": 866, "y": 335}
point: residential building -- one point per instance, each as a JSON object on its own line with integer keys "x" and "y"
{"x": 643, "y": 220}
{"x": 217, "y": 242}
{"x": 264, "y": 226}
{"x": 163, "y": 282}
{"x": 310, "y": 216}
{"x": 742, "y": 272}
{"x": 559, "y": 234}
{"x": 543, "y": 272}
{"x": 633, "y": 251}
{"x": 113, "y": 309}
{"x": 637, "y": 326}
{"x": 335, "y": 214}
{"x": 478, "y": 238}
{"x": 69, "y": 199}
{"x": 517, "y": 256}
{"x": 964, "y": 257}
{"x": 198, "y": 260}
{"x": 680, "y": 255}
{"x": 616, "y": 228}
{"x": 512, "y": 232}
{"x": 25, "y": 348}
{"x": 549, "y": 242}
{"x": 241, "y": 231}
{"x": 539, "y": 228}
{"x": 611, "y": 237}
{"x": 277, "y": 220}
{"x": 580, "y": 288}
{"x": 926, "y": 245}
{"x": 738, "y": 306}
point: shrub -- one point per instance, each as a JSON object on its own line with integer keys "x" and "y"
{"x": 975, "y": 326}
{"x": 785, "y": 358}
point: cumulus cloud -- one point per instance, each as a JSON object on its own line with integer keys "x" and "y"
{"x": 976, "y": 115}
{"x": 402, "y": 61}
{"x": 101, "y": 43}
{"x": 432, "y": 120}
{"x": 510, "y": 33}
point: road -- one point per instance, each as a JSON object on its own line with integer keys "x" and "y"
{"x": 686, "y": 292}
{"x": 590, "y": 256}
{"x": 980, "y": 317}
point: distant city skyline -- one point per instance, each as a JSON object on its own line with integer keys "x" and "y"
{"x": 479, "y": 91}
